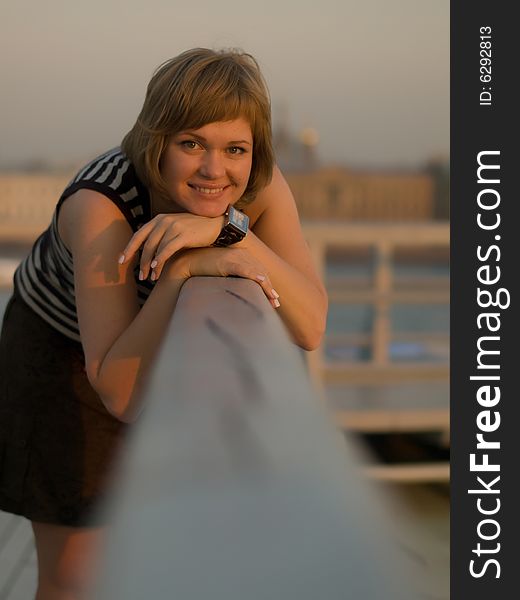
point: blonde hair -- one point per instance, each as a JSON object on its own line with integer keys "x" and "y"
{"x": 198, "y": 87}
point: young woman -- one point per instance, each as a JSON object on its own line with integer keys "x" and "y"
{"x": 92, "y": 300}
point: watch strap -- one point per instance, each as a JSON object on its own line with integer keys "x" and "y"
{"x": 228, "y": 237}
{"x": 231, "y": 233}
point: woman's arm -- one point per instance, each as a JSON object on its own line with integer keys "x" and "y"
{"x": 119, "y": 340}
{"x": 277, "y": 242}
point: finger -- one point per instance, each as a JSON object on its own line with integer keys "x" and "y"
{"x": 238, "y": 266}
{"x": 165, "y": 254}
{"x": 136, "y": 242}
{"x": 149, "y": 251}
{"x": 163, "y": 250}
{"x": 269, "y": 291}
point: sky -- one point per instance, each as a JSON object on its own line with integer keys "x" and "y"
{"x": 371, "y": 76}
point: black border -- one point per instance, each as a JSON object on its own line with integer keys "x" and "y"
{"x": 475, "y": 128}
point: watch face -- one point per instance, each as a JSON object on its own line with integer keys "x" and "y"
{"x": 238, "y": 219}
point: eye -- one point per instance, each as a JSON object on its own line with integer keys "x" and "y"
{"x": 236, "y": 150}
{"x": 190, "y": 144}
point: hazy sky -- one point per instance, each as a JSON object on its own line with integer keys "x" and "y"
{"x": 372, "y": 76}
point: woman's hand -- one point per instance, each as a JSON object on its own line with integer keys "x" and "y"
{"x": 165, "y": 235}
{"x": 221, "y": 262}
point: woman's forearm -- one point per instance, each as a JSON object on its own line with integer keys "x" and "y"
{"x": 303, "y": 303}
{"x": 124, "y": 370}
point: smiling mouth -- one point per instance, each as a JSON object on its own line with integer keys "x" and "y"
{"x": 207, "y": 190}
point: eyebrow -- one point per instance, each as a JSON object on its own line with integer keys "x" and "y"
{"x": 203, "y": 139}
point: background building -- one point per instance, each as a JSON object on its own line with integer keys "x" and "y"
{"x": 344, "y": 193}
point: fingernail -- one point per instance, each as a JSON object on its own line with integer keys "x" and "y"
{"x": 260, "y": 277}
{"x": 152, "y": 276}
{"x": 121, "y": 259}
{"x": 274, "y": 293}
{"x": 141, "y": 275}
{"x": 153, "y": 264}
{"x": 276, "y": 303}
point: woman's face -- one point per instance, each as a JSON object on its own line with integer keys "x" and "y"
{"x": 207, "y": 169}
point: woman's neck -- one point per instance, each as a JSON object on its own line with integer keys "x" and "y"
{"x": 161, "y": 205}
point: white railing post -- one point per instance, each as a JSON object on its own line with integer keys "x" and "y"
{"x": 381, "y": 329}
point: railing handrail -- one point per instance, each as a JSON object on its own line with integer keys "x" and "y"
{"x": 367, "y": 233}
{"x": 235, "y": 483}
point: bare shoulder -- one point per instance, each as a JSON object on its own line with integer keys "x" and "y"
{"x": 277, "y": 219}
{"x": 271, "y": 198}
{"x": 87, "y": 213}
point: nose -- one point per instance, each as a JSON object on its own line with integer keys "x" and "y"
{"x": 212, "y": 165}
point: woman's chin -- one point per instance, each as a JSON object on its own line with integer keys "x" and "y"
{"x": 208, "y": 212}
{"x": 209, "y": 207}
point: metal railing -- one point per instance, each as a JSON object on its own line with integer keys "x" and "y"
{"x": 235, "y": 484}
{"x": 383, "y": 239}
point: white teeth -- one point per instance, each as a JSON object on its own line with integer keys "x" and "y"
{"x": 208, "y": 190}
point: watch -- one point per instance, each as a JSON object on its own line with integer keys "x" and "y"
{"x": 234, "y": 229}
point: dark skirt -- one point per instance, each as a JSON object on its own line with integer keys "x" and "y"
{"x": 58, "y": 443}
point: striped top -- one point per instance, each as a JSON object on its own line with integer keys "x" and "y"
{"x": 45, "y": 279}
